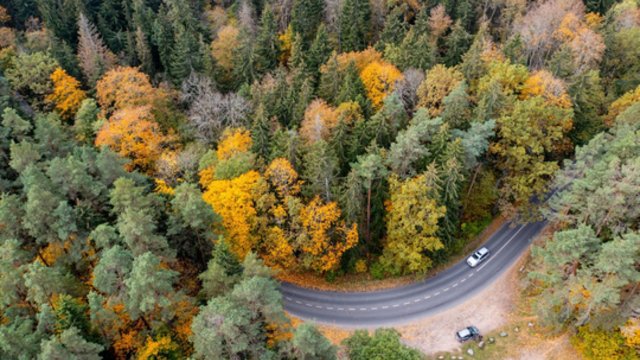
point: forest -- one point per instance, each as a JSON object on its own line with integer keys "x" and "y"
{"x": 164, "y": 162}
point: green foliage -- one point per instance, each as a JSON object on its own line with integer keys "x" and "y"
{"x": 384, "y": 344}
{"x": 354, "y": 23}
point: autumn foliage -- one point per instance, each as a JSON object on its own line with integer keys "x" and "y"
{"x": 133, "y": 133}
{"x": 67, "y": 95}
{"x": 379, "y": 79}
{"x": 125, "y": 87}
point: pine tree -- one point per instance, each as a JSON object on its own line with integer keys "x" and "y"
{"x": 352, "y": 89}
{"x": 319, "y": 52}
{"x": 261, "y": 133}
{"x": 267, "y": 45}
{"x": 330, "y": 80}
{"x": 306, "y": 16}
{"x": 395, "y": 28}
{"x": 355, "y": 18}
{"x": 457, "y": 43}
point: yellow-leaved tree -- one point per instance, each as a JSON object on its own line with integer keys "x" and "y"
{"x": 412, "y": 224}
{"x": 438, "y": 83}
{"x": 67, "y": 95}
{"x": 277, "y": 249}
{"x": 324, "y": 237}
{"x": 379, "y": 79}
{"x": 236, "y": 201}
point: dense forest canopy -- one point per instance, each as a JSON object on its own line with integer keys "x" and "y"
{"x": 160, "y": 160}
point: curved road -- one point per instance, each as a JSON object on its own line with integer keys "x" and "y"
{"x": 403, "y": 304}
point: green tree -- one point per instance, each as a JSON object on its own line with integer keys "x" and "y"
{"x": 306, "y": 16}
{"x": 30, "y": 75}
{"x": 70, "y": 345}
{"x": 110, "y": 273}
{"x": 267, "y": 46}
{"x": 149, "y": 286}
{"x": 321, "y": 169}
{"x": 384, "y": 344}
{"x": 309, "y": 344}
{"x": 355, "y": 26}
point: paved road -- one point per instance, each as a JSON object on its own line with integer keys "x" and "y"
{"x": 403, "y": 304}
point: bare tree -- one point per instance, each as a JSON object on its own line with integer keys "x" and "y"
{"x": 537, "y": 28}
{"x": 247, "y": 16}
{"x": 209, "y": 111}
{"x": 332, "y": 14}
{"x": 94, "y": 57}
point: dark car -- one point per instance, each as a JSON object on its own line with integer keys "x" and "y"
{"x": 468, "y": 333}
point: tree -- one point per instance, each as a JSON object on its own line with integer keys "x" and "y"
{"x": 112, "y": 270}
{"x": 309, "y": 343}
{"x": 438, "y": 21}
{"x": 410, "y": 145}
{"x": 94, "y": 57}
{"x": 267, "y": 46}
{"x": 457, "y": 43}
{"x": 324, "y": 238}
{"x": 30, "y": 75}
{"x": 67, "y": 95}
{"x": 320, "y": 170}
{"x": 366, "y": 176}
{"x": 526, "y": 137}
{"x": 306, "y": 16}
{"x": 223, "y": 271}
{"x": 354, "y": 24}
{"x": 70, "y": 345}
{"x": 319, "y": 52}
{"x": 235, "y": 201}
{"x": 149, "y": 286}
{"x": 379, "y": 80}
{"x": 85, "y": 120}
{"x": 437, "y": 85}
{"x": 412, "y": 223}
{"x": 384, "y": 344}
{"x": 125, "y": 87}
{"x": 319, "y": 121}
{"x": 133, "y": 133}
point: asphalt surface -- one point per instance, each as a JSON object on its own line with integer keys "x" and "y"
{"x": 400, "y": 305}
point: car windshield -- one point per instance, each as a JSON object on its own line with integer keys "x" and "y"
{"x": 476, "y": 255}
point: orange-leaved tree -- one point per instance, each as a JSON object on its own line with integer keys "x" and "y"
{"x": 543, "y": 83}
{"x": 379, "y": 79}
{"x": 319, "y": 120}
{"x": 67, "y": 95}
{"x": 133, "y": 133}
{"x": 125, "y": 87}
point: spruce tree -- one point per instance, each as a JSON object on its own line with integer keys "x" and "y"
{"x": 306, "y": 16}
{"x": 355, "y": 25}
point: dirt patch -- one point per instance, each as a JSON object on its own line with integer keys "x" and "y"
{"x": 489, "y": 310}
{"x": 364, "y": 282}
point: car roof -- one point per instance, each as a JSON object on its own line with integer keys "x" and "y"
{"x": 464, "y": 332}
{"x": 483, "y": 250}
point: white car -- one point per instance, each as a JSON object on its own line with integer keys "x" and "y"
{"x": 478, "y": 256}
